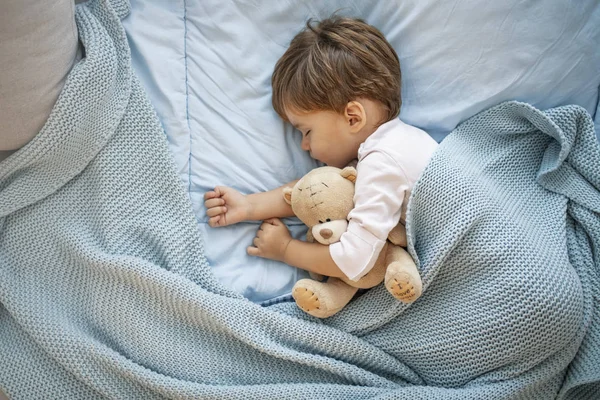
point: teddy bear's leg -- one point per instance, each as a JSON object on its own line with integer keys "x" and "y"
{"x": 398, "y": 235}
{"x": 402, "y": 279}
{"x": 375, "y": 276}
{"x": 322, "y": 299}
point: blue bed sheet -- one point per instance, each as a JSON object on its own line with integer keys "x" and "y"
{"x": 207, "y": 66}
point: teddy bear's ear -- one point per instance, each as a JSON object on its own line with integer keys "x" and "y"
{"x": 287, "y": 195}
{"x": 349, "y": 173}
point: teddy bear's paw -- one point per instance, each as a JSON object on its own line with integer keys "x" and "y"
{"x": 403, "y": 289}
{"x": 306, "y": 299}
{"x": 404, "y": 285}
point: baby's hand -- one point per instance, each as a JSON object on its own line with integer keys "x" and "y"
{"x": 271, "y": 241}
{"x": 226, "y": 206}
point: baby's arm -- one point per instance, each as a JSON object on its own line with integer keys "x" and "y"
{"x": 273, "y": 241}
{"x": 226, "y": 206}
{"x": 313, "y": 257}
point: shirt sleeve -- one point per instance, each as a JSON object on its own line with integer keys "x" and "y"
{"x": 380, "y": 188}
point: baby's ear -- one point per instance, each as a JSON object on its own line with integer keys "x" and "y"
{"x": 349, "y": 173}
{"x": 287, "y": 195}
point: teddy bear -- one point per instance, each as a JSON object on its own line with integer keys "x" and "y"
{"x": 322, "y": 200}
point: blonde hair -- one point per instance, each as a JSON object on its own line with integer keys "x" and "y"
{"x": 333, "y": 62}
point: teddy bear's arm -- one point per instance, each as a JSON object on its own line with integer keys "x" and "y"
{"x": 398, "y": 235}
{"x": 309, "y": 236}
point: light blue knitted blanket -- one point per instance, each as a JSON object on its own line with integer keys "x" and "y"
{"x": 105, "y": 292}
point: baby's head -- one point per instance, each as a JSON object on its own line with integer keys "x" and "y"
{"x": 340, "y": 74}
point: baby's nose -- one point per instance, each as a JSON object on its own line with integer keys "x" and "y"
{"x": 304, "y": 145}
{"x": 326, "y": 233}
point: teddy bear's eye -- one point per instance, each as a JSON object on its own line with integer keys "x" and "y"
{"x": 320, "y": 221}
{"x": 328, "y": 220}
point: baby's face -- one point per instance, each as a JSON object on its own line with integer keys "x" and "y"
{"x": 327, "y": 136}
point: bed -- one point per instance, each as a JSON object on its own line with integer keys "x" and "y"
{"x": 207, "y": 70}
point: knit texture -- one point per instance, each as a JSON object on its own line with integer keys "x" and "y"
{"x": 105, "y": 291}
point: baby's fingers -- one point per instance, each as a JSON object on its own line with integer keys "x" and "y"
{"x": 214, "y": 211}
{"x": 214, "y": 221}
{"x": 218, "y": 192}
{"x": 211, "y": 195}
{"x": 253, "y": 251}
{"x": 210, "y": 203}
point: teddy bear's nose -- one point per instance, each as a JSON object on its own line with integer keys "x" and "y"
{"x": 326, "y": 233}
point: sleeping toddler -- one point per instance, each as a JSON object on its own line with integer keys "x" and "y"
{"x": 339, "y": 85}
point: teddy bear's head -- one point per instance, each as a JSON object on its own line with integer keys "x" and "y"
{"x": 322, "y": 199}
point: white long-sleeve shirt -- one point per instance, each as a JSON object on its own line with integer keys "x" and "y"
{"x": 389, "y": 163}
